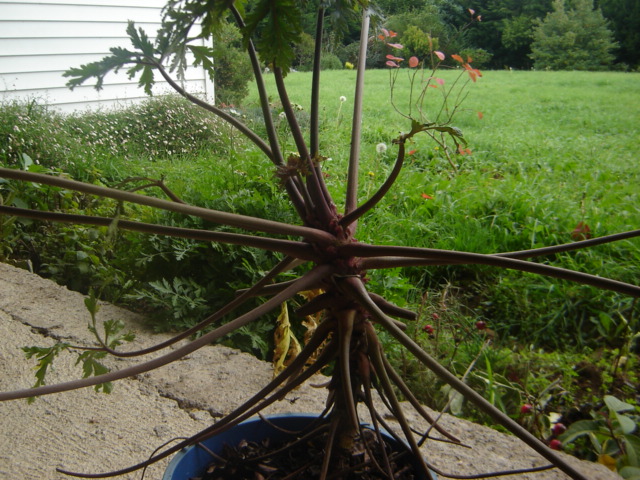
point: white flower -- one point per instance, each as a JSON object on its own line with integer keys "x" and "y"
{"x": 343, "y": 98}
{"x": 381, "y": 148}
{"x": 282, "y": 115}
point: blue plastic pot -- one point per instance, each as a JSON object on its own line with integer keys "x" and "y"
{"x": 193, "y": 461}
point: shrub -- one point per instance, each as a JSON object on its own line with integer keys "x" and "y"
{"x": 330, "y": 61}
{"x": 232, "y": 71}
{"x": 573, "y": 39}
{"x": 164, "y": 126}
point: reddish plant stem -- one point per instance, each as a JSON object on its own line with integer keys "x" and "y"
{"x": 356, "y": 289}
{"x": 295, "y": 249}
{"x": 382, "y": 256}
{"x": 224, "y": 218}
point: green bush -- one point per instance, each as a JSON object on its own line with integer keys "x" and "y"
{"x": 232, "y": 71}
{"x": 33, "y": 128}
{"x": 304, "y": 52}
{"x": 330, "y": 61}
{"x": 577, "y": 38}
{"x": 159, "y": 127}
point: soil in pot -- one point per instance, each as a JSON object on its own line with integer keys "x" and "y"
{"x": 265, "y": 451}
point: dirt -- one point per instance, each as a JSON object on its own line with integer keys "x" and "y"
{"x": 88, "y": 432}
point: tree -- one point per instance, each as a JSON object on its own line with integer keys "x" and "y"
{"x": 624, "y": 16}
{"x": 506, "y": 29}
{"x": 577, "y": 38}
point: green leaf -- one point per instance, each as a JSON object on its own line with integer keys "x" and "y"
{"x": 630, "y": 473}
{"x": 140, "y": 40}
{"x": 632, "y": 447}
{"x": 616, "y": 405}
{"x": 27, "y": 161}
{"x": 278, "y": 27}
{"x": 146, "y": 79}
{"x": 45, "y": 356}
{"x": 579, "y": 428}
{"x": 627, "y": 425}
{"x": 203, "y": 56}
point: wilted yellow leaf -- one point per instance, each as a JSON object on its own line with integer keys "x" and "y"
{"x": 608, "y": 461}
{"x": 287, "y": 346}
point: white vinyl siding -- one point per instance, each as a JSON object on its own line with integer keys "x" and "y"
{"x": 39, "y": 40}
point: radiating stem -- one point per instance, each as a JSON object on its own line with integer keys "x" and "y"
{"x": 375, "y": 354}
{"x": 314, "y": 129}
{"x": 376, "y": 259}
{"x": 224, "y": 218}
{"x": 355, "y": 214}
{"x": 246, "y": 131}
{"x": 355, "y": 287}
{"x": 356, "y": 127}
{"x": 299, "y": 250}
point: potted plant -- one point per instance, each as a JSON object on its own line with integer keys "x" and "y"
{"x": 325, "y": 239}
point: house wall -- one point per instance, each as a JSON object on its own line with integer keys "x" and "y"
{"x": 40, "y": 39}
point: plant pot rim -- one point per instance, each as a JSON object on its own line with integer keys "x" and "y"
{"x": 187, "y": 456}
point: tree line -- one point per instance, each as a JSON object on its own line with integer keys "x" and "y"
{"x": 518, "y": 34}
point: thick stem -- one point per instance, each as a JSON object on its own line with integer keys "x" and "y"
{"x": 224, "y": 218}
{"x": 427, "y": 256}
{"x": 355, "y": 214}
{"x": 320, "y": 202}
{"x": 346, "y": 320}
{"x": 356, "y": 127}
{"x": 295, "y": 249}
{"x": 272, "y": 134}
{"x": 314, "y": 129}
{"x": 376, "y": 356}
{"x": 567, "y": 247}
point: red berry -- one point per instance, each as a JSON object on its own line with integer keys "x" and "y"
{"x": 435, "y": 316}
{"x": 558, "y": 429}
{"x": 526, "y": 408}
{"x": 555, "y": 444}
{"x": 428, "y": 329}
{"x": 481, "y": 325}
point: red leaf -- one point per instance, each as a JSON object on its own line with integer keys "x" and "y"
{"x": 581, "y": 232}
{"x": 479, "y": 18}
{"x": 391, "y": 63}
{"x": 427, "y": 197}
{"x": 413, "y": 62}
{"x": 385, "y": 32}
{"x": 381, "y": 37}
{"x": 396, "y": 45}
{"x": 396, "y": 59}
{"x": 480, "y": 115}
{"x": 392, "y": 34}
{"x": 411, "y": 152}
{"x": 457, "y": 58}
{"x": 472, "y": 11}
{"x": 469, "y": 59}
{"x": 439, "y": 54}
